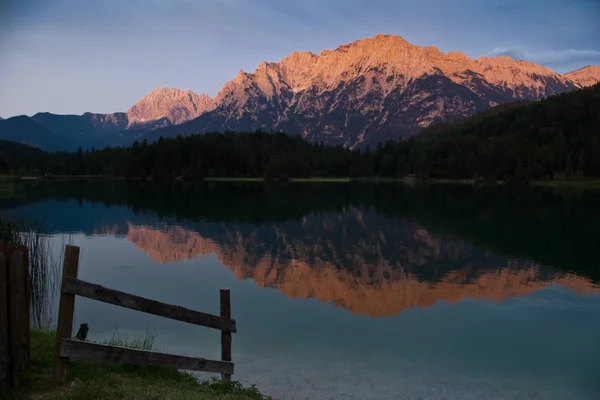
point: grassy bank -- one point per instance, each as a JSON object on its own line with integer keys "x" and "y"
{"x": 583, "y": 184}
{"x": 231, "y": 179}
{"x": 452, "y": 181}
{"x": 259, "y": 179}
{"x": 575, "y": 184}
{"x": 321, "y": 180}
{"x": 57, "y": 177}
{"x": 5, "y": 190}
{"x": 109, "y": 381}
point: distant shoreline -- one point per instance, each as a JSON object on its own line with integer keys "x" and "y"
{"x": 550, "y": 183}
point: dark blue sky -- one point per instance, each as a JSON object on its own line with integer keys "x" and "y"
{"x": 71, "y": 56}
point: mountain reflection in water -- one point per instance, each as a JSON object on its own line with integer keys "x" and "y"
{"x": 372, "y": 249}
{"x": 378, "y": 273}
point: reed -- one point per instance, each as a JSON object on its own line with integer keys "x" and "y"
{"x": 43, "y": 267}
{"x": 144, "y": 341}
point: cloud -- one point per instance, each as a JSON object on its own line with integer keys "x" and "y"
{"x": 515, "y": 53}
{"x": 556, "y": 59}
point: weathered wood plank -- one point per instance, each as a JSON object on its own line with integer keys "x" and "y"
{"x": 99, "y": 352}
{"x": 225, "y": 336}
{"x": 27, "y": 308}
{"x": 4, "y": 351}
{"x": 100, "y": 293}
{"x": 64, "y": 327}
{"x": 18, "y": 314}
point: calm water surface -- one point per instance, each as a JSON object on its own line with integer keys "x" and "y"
{"x": 349, "y": 291}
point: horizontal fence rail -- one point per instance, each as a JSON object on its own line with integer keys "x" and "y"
{"x": 100, "y": 352}
{"x": 100, "y": 293}
{"x": 67, "y": 348}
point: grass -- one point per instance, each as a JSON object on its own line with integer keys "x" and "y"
{"x": 58, "y": 177}
{"x": 7, "y": 189}
{"x": 93, "y": 380}
{"x": 111, "y": 381}
{"x": 231, "y": 179}
{"x": 43, "y": 275}
{"x": 320, "y": 180}
{"x": 142, "y": 342}
{"x": 372, "y": 179}
{"x": 585, "y": 184}
{"x": 451, "y": 181}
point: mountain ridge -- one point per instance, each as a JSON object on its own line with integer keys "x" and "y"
{"x": 586, "y": 76}
{"x": 364, "y": 92}
{"x": 25, "y": 130}
{"x": 173, "y": 104}
{"x": 370, "y": 90}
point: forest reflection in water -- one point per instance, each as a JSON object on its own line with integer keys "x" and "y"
{"x": 363, "y": 248}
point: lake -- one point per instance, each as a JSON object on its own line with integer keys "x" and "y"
{"x": 348, "y": 291}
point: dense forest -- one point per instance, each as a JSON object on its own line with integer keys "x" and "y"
{"x": 557, "y": 138}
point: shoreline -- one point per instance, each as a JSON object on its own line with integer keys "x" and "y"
{"x": 107, "y": 381}
{"x": 549, "y": 183}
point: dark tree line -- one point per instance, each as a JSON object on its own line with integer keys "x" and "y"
{"x": 557, "y": 138}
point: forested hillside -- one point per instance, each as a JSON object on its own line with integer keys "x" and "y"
{"x": 557, "y": 138}
{"x": 19, "y": 158}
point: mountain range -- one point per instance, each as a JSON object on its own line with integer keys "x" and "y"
{"x": 361, "y": 93}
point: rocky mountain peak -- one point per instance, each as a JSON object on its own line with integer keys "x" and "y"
{"x": 175, "y": 105}
{"x": 395, "y": 61}
{"x": 390, "y": 55}
{"x": 371, "y": 90}
{"x": 586, "y": 76}
{"x": 241, "y": 75}
{"x": 385, "y": 39}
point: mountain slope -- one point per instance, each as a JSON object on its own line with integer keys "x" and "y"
{"x": 25, "y": 130}
{"x": 175, "y": 105}
{"x": 162, "y": 107}
{"x": 586, "y": 76}
{"x": 555, "y": 138}
{"x": 15, "y": 155}
{"x": 552, "y": 139}
{"x": 85, "y": 130}
{"x": 369, "y": 91}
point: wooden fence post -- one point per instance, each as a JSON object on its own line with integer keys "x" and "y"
{"x": 18, "y": 313}
{"x": 64, "y": 328}
{"x": 225, "y": 335}
{"x": 27, "y": 309}
{"x": 4, "y": 353}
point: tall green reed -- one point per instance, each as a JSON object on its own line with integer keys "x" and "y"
{"x": 44, "y": 268}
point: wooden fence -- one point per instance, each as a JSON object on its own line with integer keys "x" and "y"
{"x": 14, "y": 315}
{"x": 67, "y": 348}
